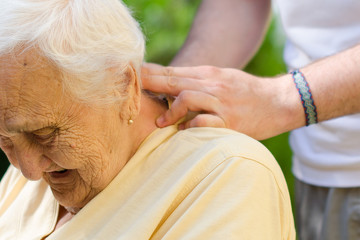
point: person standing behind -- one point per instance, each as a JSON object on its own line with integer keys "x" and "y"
{"x": 322, "y": 92}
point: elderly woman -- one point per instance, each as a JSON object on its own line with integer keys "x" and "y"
{"x": 87, "y": 161}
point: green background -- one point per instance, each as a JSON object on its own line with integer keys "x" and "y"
{"x": 166, "y": 23}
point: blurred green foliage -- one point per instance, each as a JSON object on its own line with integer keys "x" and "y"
{"x": 166, "y": 23}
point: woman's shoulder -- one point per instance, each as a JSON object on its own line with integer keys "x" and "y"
{"x": 198, "y": 152}
{"x": 225, "y": 141}
{"x": 217, "y": 149}
{"x": 215, "y": 146}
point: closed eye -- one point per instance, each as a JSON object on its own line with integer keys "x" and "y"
{"x": 45, "y": 136}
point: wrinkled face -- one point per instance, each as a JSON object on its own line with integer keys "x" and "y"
{"x": 77, "y": 149}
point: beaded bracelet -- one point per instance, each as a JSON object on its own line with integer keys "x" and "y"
{"x": 306, "y": 97}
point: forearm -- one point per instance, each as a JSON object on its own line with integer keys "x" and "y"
{"x": 225, "y": 33}
{"x": 335, "y": 85}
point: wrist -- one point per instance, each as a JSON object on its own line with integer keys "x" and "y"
{"x": 306, "y": 97}
{"x": 290, "y": 112}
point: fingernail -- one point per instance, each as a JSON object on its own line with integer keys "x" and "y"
{"x": 160, "y": 121}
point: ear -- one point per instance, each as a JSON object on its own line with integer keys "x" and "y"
{"x": 130, "y": 107}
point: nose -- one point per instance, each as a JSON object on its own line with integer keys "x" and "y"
{"x": 31, "y": 160}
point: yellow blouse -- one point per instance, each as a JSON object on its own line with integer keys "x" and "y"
{"x": 200, "y": 183}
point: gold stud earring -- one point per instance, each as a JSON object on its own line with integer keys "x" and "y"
{"x": 130, "y": 121}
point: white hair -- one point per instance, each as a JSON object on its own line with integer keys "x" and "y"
{"x": 84, "y": 38}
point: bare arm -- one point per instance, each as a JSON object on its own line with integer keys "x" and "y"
{"x": 259, "y": 107}
{"x": 335, "y": 83}
{"x": 225, "y": 33}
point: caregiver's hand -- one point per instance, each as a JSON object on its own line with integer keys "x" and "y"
{"x": 224, "y": 97}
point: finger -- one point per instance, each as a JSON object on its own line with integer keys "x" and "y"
{"x": 204, "y": 120}
{"x": 172, "y": 85}
{"x": 188, "y": 101}
{"x": 190, "y": 72}
{"x": 147, "y": 68}
{"x": 198, "y": 72}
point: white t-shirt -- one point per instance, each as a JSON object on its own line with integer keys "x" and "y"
{"x": 328, "y": 153}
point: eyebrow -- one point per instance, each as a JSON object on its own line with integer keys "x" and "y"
{"x": 26, "y": 126}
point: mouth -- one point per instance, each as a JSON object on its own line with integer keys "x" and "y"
{"x": 62, "y": 173}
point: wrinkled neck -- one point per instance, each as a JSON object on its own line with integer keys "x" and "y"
{"x": 151, "y": 107}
